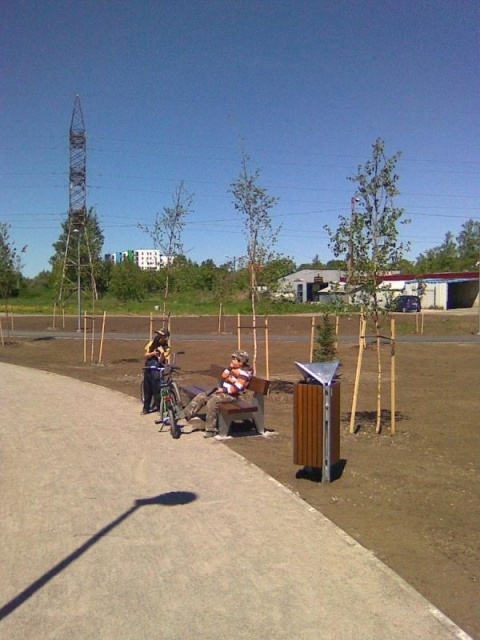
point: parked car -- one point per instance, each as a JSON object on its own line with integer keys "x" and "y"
{"x": 407, "y": 303}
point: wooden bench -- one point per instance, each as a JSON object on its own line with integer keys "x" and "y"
{"x": 249, "y": 406}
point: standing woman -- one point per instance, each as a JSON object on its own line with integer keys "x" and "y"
{"x": 157, "y": 352}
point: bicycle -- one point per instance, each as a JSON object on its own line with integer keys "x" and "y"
{"x": 170, "y": 399}
{"x": 142, "y": 383}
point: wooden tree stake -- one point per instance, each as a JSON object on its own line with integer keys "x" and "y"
{"x": 220, "y": 319}
{"x": 312, "y": 334}
{"x": 92, "y": 352}
{"x": 84, "y": 336}
{"x": 392, "y": 377}
{"x": 361, "y": 342}
{"x": 100, "y": 353}
{"x": 267, "y": 357}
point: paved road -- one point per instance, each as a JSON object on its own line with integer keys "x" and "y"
{"x": 111, "y": 530}
{"x": 221, "y": 337}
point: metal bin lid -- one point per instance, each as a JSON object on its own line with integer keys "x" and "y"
{"x": 322, "y": 372}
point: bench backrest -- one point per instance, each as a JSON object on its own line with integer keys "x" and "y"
{"x": 256, "y": 384}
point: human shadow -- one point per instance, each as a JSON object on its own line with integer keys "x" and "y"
{"x": 170, "y": 499}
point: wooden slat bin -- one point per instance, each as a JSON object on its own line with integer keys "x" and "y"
{"x": 308, "y": 424}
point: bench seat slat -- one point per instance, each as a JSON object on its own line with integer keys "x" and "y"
{"x": 237, "y": 407}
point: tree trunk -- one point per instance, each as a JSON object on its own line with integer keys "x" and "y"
{"x": 254, "y": 333}
{"x": 378, "y": 424}
{"x": 165, "y": 296}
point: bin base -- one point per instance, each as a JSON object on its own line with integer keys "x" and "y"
{"x": 314, "y": 474}
{"x": 309, "y": 473}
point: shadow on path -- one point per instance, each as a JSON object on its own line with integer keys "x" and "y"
{"x": 169, "y": 499}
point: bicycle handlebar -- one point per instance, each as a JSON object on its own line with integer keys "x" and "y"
{"x": 171, "y": 365}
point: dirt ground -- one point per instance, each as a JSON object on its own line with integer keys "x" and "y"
{"x": 412, "y": 498}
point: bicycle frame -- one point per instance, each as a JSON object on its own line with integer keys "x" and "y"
{"x": 170, "y": 400}
{"x": 169, "y": 394}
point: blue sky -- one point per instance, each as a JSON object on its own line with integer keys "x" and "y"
{"x": 174, "y": 90}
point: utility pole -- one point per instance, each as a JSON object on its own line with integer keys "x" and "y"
{"x": 233, "y": 261}
{"x": 77, "y": 215}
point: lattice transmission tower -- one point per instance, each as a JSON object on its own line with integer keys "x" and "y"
{"x": 77, "y": 267}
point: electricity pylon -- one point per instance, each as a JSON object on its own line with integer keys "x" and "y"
{"x": 77, "y": 231}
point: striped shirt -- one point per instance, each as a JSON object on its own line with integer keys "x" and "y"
{"x": 235, "y": 380}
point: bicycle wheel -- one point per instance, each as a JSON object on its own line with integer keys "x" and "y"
{"x": 142, "y": 391}
{"x": 174, "y": 428}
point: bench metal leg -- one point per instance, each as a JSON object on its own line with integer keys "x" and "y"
{"x": 224, "y": 420}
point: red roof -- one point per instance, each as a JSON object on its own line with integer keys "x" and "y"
{"x": 445, "y": 275}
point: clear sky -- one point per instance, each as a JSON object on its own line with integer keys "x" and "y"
{"x": 173, "y": 90}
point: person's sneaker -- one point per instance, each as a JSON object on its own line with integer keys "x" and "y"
{"x": 209, "y": 434}
{"x": 144, "y": 412}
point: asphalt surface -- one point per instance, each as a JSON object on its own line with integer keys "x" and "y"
{"x": 202, "y": 337}
{"x": 111, "y": 530}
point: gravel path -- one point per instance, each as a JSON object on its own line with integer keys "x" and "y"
{"x": 112, "y": 530}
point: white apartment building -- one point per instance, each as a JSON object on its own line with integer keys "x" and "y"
{"x": 146, "y": 259}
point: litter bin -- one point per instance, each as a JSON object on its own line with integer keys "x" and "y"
{"x": 316, "y": 418}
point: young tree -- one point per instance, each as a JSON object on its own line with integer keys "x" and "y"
{"x": 254, "y": 204}
{"x": 326, "y": 349}
{"x": 9, "y": 264}
{"x": 166, "y": 233}
{"x": 369, "y": 237}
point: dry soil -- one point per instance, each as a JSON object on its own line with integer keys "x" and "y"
{"x": 412, "y": 498}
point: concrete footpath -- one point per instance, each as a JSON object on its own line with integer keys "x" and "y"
{"x": 110, "y": 530}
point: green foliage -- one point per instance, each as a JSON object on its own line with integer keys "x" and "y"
{"x": 91, "y": 240}
{"x": 273, "y": 270}
{"x": 368, "y": 238}
{"x": 454, "y": 254}
{"x": 43, "y": 280}
{"x": 9, "y": 265}
{"x": 92, "y": 232}
{"x": 405, "y": 266}
{"x": 316, "y": 263}
{"x": 468, "y": 245}
{"x": 128, "y": 282}
{"x": 326, "y": 349}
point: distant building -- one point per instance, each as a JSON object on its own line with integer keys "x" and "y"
{"x": 447, "y": 290}
{"x": 454, "y": 290}
{"x": 146, "y": 259}
{"x": 115, "y": 258}
{"x": 311, "y": 285}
